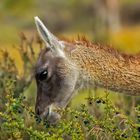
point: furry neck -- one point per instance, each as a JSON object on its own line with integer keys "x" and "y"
{"x": 106, "y": 68}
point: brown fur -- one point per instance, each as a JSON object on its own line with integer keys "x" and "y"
{"x": 107, "y": 67}
{"x": 78, "y": 64}
{"x": 83, "y": 41}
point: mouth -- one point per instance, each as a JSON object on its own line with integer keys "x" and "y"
{"x": 52, "y": 117}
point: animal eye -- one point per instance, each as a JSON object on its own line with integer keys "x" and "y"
{"x": 43, "y": 75}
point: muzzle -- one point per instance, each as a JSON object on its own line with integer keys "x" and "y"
{"x": 48, "y": 114}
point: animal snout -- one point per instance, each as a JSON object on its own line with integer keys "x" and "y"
{"x": 40, "y": 112}
{"x": 48, "y": 114}
{"x": 53, "y": 117}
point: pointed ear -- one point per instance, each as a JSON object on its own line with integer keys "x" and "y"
{"x": 47, "y": 36}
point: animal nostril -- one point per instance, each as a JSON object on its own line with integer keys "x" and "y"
{"x": 48, "y": 112}
{"x": 40, "y": 112}
{"x": 37, "y": 111}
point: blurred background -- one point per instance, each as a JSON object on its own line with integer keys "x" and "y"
{"x": 113, "y": 22}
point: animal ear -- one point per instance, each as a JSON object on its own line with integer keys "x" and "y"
{"x": 51, "y": 41}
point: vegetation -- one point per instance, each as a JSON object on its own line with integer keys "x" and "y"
{"x": 99, "y": 118}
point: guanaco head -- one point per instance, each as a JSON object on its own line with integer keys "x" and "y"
{"x": 55, "y": 76}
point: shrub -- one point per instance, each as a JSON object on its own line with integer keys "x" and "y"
{"x": 100, "y": 119}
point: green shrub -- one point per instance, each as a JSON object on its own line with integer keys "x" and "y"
{"x": 99, "y": 120}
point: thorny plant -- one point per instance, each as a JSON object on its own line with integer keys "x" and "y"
{"x": 18, "y": 120}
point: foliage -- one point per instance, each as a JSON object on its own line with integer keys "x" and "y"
{"x": 101, "y": 119}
